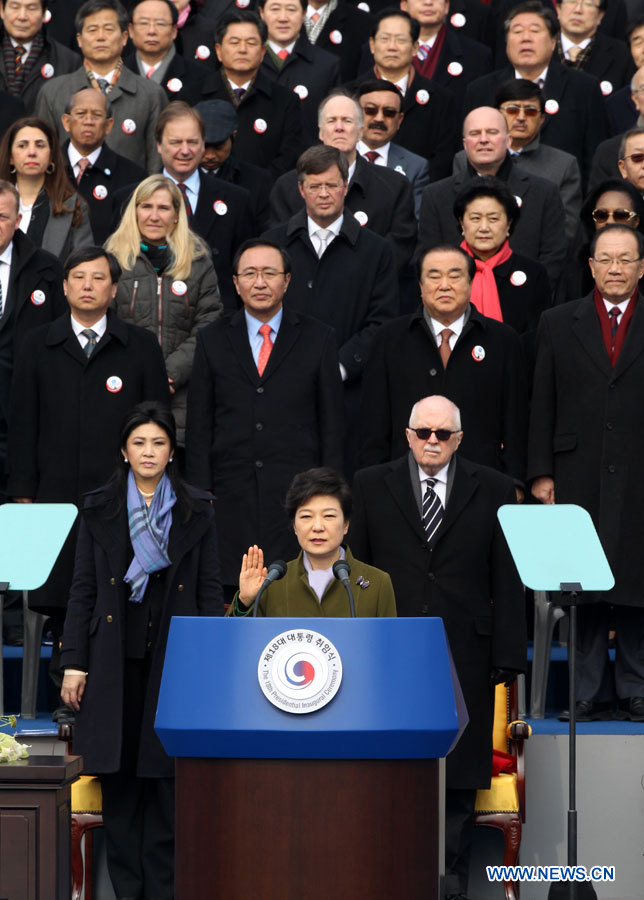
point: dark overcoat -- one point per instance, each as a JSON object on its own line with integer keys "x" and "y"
{"x": 345, "y": 33}
{"x": 248, "y": 435}
{"x": 94, "y": 635}
{"x": 184, "y": 79}
{"x": 468, "y": 579}
{"x": 404, "y": 365}
{"x": 587, "y": 432}
{"x": 381, "y": 198}
{"x": 352, "y": 287}
{"x": 66, "y": 415}
{"x": 60, "y": 59}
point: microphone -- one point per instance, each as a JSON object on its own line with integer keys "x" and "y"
{"x": 341, "y": 571}
{"x": 276, "y": 570}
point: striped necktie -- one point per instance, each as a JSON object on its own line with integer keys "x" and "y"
{"x": 432, "y": 511}
{"x": 91, "y": 336}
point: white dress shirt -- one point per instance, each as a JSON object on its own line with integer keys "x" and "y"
{"x": 193, "y": 183}
{"x": 26, "y": 45}
{"x": 566, "y": 44}
{"x": 456, "y": 328}
{"x": 621, "y": 306}
{"x": 383, "y": 152}
{"x": 276, "y": 48}
{"x": 5, "y": 271}
{"x": 99, "y": 327}
{"x": 74, "y": 157}
{"x": 313, "y": 227}
{"x": 440, "y": 488}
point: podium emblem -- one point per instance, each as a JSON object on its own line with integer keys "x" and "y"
{"x": 299, "y": 671}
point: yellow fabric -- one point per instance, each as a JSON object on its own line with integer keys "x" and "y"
{"x": 86, "y": 795}
{"x": 499, "y": 738}
{"x": 502, "y": 795}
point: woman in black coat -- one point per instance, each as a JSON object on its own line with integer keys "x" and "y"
{"x": 147, "y": 550}
{"x": 507, "y": 286}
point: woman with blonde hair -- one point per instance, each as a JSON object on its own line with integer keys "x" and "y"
{"x": 168, "y": 284}
{"x": 53, "y": 215}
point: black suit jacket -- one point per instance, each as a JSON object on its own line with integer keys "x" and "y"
{"x": 100, "y": 187}
{"x": 610, "y": 62}
{"x": 539, "y": 233}
{"x": 60, "y": 58}
{"x": 311, "y": 73}
{"x": 622, "y": 112}
{"x": 474, "y": 58}
{"x": 277, "y": 146}
{"x": 248, "y": 435}
{"x": 184, "y": 79}
{"x": 253, "y": 179}
{"x": 384, "y": 196}
{"x": 345, "y": 33}
{"x": 353, "y": 287}
{"x": 430, "y": 125}
{"x": 580, "y": 122}
{"x": 605, "y": 162}
{"x": 404, "y": 364}
{"x": 467, "y": 579}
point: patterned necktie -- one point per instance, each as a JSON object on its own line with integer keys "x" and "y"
{"x": 444, "y": 348}
{"x": 239, "y": 93}
{"x": 265, "y": 349}
{"x": 372, "y": 155}
{"x": 83, "y": 164}
{"x": 614, "y": 314}
{"x": 103, "y": 84}
{"x": 432, "y": 511}
{"x": 186, "y": 200}
{"x": 91, "y": 336}
{"x": 20, "y": 51}
{"x": 423, "y": 52}
{"x": 573, "y": 53}
{"x": 323, "y": 236}
{"x": 283, "y": 54}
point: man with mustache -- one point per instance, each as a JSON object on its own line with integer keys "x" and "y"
{"x": 381, "y": 104}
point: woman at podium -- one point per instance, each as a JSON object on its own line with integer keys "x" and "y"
{"x": 147, "y": 550}
{"x": 318, "y": 503}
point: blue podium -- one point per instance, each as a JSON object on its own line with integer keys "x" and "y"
{"x": 281, "y": 802}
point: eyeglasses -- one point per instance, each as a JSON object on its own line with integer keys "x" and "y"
{"x": 254, "y": 274}
{"x": 388, "y": 112}
{"x": 621, "y": 261}
{"x": 330, "y": 186}
{"x": 637, "y": 158}
{"x": 442, "y": 434}
{"x": 530, "y": 112}
{"x": 623, "y": 216}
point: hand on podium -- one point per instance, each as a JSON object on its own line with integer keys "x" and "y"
{"x": 252, "y": 575}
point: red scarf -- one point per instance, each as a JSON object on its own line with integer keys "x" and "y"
{"x": 485, "y": 295}
{"x": 426, "y": 67}
{"x": 615, "y": 349}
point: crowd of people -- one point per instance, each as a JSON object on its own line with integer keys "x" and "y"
{"x": 251, "y": 251}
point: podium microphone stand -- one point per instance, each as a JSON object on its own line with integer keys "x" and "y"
{"x": 556, "y": 548}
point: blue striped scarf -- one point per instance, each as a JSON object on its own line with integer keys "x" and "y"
{"x": 149, "y": 533}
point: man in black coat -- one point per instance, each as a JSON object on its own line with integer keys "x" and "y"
{"x": 586, "y": 446}
{"x": 32, "y": 295}
{"x": 256, "y": 419}
{"x": 153, "y": 30}
{"x": 430, "y": 125}
{"x": 95, "y": 168}
{"x": 28, "y": 56}
{"x": 270, "y": 121}
{"x": 341, "y": 29}
{"x": 429, "y": 518}
{"x": 74, "y": 381}
{"x": 576, "y": 119}
{"x": 481, "y": 370}
{"x": 540, "y": 232}
{"x": 606, "y": 161}
{"x": 378, "y": 197}
{"x": 294, "y": 62}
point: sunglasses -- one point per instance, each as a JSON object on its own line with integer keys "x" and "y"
{"x": 442, "y": 434}
{"x": 388, "y": 111}
{"x": 636, "y": 157}
{"x": 622, "y": 216}
{"x": 530, "y": 112}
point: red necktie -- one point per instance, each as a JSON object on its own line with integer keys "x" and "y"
{"x": 315, "y": 17}
{"x": 184, "y": 191}
{"x": 372, "y": 155}
{"x": 265, "y": 349}
{"x": 83, "y": 165}
{"x": 283, "y": 54}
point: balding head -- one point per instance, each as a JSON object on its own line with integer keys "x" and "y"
{"x": 436, "y": 414}
{"x": 486, "y": 139}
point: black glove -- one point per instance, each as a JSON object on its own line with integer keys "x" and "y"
{"x": 507, "y": 676}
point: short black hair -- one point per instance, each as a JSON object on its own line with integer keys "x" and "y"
{"x": 519, "y": 89}
{"x": 610, "y": 184}
{"x": 251, "y": 243}
{"x": 70, "y": 103}
{"x": 240, "y": 17}
{"x": 617, "y": 227}
{"x": 633, "y": 26}
{"x": 318, "y": 159}
{"x": 379, "y": 84}
{"x": 87, "y": 254}
{"x": 303, "y": 3}
{"x": 318, "y": 481}
{"x": 488, "y": 186}
{"x": 445, "y": 248}
{"x": 390, "y": 12}
{"x": 93, "y": 6}
{"x": 546, "y": 13}
{"x": 174, "y": 12}
{"x": 632, "y": 132}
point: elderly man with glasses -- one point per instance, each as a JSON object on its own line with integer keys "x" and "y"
{"x": 585, "y": 447}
